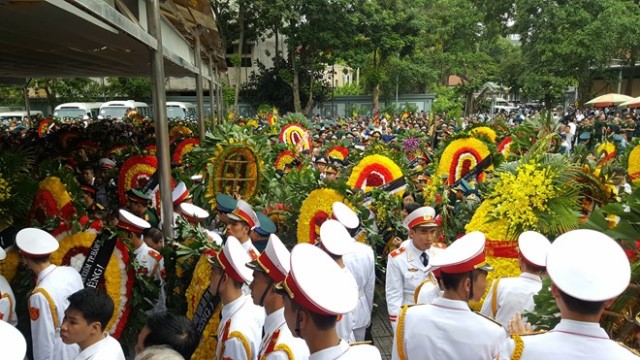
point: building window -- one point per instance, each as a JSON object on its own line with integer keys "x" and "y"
{"x": 246, "y": 60}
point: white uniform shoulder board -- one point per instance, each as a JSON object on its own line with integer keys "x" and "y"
{"x": 488, "y": 318}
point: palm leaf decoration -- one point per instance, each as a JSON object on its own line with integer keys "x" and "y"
{"x": 17, "y": 186}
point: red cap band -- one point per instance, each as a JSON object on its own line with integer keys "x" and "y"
{"x": 273, "y": 272}
{"x": 300, "y": 297}
{"x": 181, "y": 198}
{"x": 244, "y": 216}
{"x": 222, "y": 259}
{"x": 419, "y": 221}
{"x": 466, "y": 266}
{"x": 129, "y": 227}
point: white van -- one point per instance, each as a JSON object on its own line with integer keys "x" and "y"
{"x": 181, "y": 110}
{"x": 77, "y": 110}
{"x": 118, "y": 109}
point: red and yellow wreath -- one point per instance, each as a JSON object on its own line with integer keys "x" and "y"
{"x": 118, "y": 278}
{"x": 373, "y": 171}
{"x": 116, "y": 150}
{"x": 179, "y": 131}
{"x": 51, "y": 200}
{"x": 504, "y": 147}
{"x": 150, "y": 150}
{"x": 199, "y": 283}
{"x": 9, "y": 266}
{"x": 460, "y": 156}
{"x": 633, "y": 168}
{"x": 43, "y": 127}
{"x": 183, "y": 148}
{"x": 315, "y": 210}
{"x": 483, "y": 131}
{"x": 67, "y": 138}
{"x": 607, "y": 151}
{"x": 134, "y": 174}
{"x": 284, "y": 158}
{"x": 296, "y": 135}
{"x": 234, "y": 168}
{"x": 338, "y": 152}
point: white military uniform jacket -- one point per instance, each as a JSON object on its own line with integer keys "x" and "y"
{"x": 446, "y": 329}
{"x": 405, "y": 272}
{"x": 7, "y": 303}
{"x": 344, "y": 325}
{"x": 513, "y": 295}
{"x": 47, "y": 304}
{"x": 361, "y": 263}
{"x": 428, "y": 290}
{"x": 570, "y": 339}
{"x": 343, "y": 351}
{"x": 153, "y": 263}
{"x": 240, "y": 330}
{"x": 278, "y": 343}
{"x": 105, "y": 349}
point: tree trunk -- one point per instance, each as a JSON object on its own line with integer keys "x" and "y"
{"x": 376, "y": 87}
{"x": 469, "y": 108}
{"x": 309, "y": 107}
{"x": 239, "y": 65}
{"x": 297, "y": 107}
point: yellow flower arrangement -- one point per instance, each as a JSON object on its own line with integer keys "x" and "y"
{"x": 315, "y": 209}
{"x": 9, "y": 266}
{"x": 180, "y": 130}
{"x": 59, "y": 191}
{"x": 72, "y": 252}
{"x": 373, "y": 171}
{"x": 606, "y": 148}
{"x": 5, "y": 188}
{"x": 199, "y": 283}
{"x": 234, "y": 168}
{"x": 633, "y": 169}
{"x": 460, "y": 156}
{"x": 484, "y": 130}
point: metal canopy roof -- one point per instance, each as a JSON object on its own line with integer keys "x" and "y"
{"x": 43, "y": 38}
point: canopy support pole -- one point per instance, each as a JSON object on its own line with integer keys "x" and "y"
{"x": 199, "y": 86}
{"x": 212, "y": 89}
{"x": 160, "y": 111}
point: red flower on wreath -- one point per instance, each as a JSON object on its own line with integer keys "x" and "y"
{"x": 134, "y": 174}
{"x": 43, "y": 127}
{"x": 338, "y": 152}
{"x": 183, "y": 148}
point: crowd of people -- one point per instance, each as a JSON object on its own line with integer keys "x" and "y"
{"x": 315, "y": 301}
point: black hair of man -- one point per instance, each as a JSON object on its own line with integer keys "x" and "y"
{"x": 582, "y": 307}
{"x": 411, "y": 207}
{"x": 452, "y": 281}
{"x": 177, "y": 332}
{"x": 94, "y": 305}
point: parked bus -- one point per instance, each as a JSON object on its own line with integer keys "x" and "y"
{"x": 181, "y": 110}
{"x": 77, "y": 110}
{"x": 18, "y": 115}
{"x": 119, "y": 108}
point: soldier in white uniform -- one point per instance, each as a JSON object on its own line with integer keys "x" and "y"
{"x": 447, "y": 328}
{"x": 406, "y": 265}
{"x": 193, "y": 213}
{"x": 270, "y": 268}
{"x": 12, "y": 342}
{"x": 588, "y": 270}
{"x": 7, "y": 299}
{"x": 316, "y": 291}
{"x": 178, "y": 195}
{"x": 362, "y": 264}
{"x": 509, "y": 296}
{"x": 150, "y": 261}
{"x": 241, "y": 221}
{"x": 336, "y": 241}
{"x": 239, "y": 332}
{"x": 48, "y": 300}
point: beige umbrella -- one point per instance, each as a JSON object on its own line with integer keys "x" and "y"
{"x": 608, "y": 100}
{"x": 633, "y": 103}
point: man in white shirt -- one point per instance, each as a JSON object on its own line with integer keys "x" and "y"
{"x": 588, "y": 270}
{"x": 239, "y": 332}
{"x": 7, "y": 298}
{"x": 85, "y": 322}
{"x": 48, "y": 300}
{"x": 509, "y": 296}
{"x": 269, "y": 269}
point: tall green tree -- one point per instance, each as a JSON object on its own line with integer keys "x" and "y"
{"x": 62, "y": 90}
{"x": 130, "y": 87}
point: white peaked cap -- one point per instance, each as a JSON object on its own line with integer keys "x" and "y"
{"x": 179, "y": 193}
{"x": 3, "y": 254}
{"x": 214, "y": 236}
{"x": 335, "y": 238}
{"x": 131, "y": 222}
{"x": 345, "y": 215}
{"x": 233, "y": 258}
{"x": 193, "y": 211}
{"x": 534, "y": 247}
{"x": 275, "y": 260}
{"x": 36, "y": 242}
{"x": 424, "y": 216}
{"x": 318, "y": 283}
{"x": 12, "y": 343}
{"x": 588, "y": 265}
